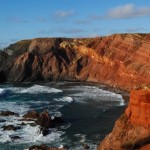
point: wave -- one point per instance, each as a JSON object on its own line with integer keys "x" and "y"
{"x": 65, "y": 99}
{"x": 2, "y": 91}
{"x": 84, "y": 93}
{"x": 28, "y": 134}
{"x": 14, "y": 107}
{"x": 35, "y": 89}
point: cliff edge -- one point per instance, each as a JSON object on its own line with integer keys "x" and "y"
{"x": 132, "y": 129}
{"x": 120, "y": 60}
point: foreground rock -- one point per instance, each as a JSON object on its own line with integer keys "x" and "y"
{"x": 10, "y": 127}
{"x": 8, "y": 113}
{"x": 31, "y": 115}
{"x": 43, "y": 119}
{"x": 122, "y": 59}
{"x": 43, "y": 147}
{"x": 132, "y": 129}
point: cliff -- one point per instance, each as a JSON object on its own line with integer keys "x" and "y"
{"x": 132, "y": 129}
{"x": 118, "y": 60}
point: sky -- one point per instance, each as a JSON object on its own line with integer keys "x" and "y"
{"x": 27, "y": 19}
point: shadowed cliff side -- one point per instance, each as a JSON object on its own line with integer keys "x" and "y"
{"x": 132, "y": 129}
{"x": 118, "y": 60}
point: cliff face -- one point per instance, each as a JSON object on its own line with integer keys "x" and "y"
{"x": 117, "y": 60}
{"x": 132, "y": 129}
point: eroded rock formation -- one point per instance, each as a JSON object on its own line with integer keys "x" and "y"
{"x": 132, "y": 129}
{"x": 117, "y": 60}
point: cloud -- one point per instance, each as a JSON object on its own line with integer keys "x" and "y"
{"x": 126, "y": 11}
{"x": 15, "y": 19}
{"x": 61, "y": 14}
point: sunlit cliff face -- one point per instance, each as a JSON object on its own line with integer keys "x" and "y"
{"x": 118, "y": 60}
{"x": 132, "y": 129}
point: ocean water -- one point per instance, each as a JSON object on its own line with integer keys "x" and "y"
{"x": 88, "y": 110}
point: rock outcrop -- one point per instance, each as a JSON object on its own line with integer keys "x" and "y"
{"x": 132, "y": 129}
{"x": 10, "y": 127}
{"x": 8, "y": 113}
{"x": 118, "y": 60}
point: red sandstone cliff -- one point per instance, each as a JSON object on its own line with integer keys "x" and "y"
{"x": 118, "y": 60}
{"x": 132, "y": 129}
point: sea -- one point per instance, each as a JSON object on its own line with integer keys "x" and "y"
{"x": 89, "y": 112}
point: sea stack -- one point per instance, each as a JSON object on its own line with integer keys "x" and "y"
{"x": 132, "y": 129}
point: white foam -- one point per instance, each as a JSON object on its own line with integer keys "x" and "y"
{"x": 65, "y": 126}
{"x": 65, "y": 99}
{"x": 5, "y": 136}
{"x": 35, "y": 89}
{"x": 30, "y": 134}
{"x": 14, "y": 107}
{"x": 84, "y": 93}
{"x": 2, "y": 91}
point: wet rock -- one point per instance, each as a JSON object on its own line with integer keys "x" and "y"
{"x": 10, "y": 127}
{"x": 22, "y": 124}
{"x": 26, "y": 119}
{"x": 31, "y": 115}
{"x": 44, "y": 120}
{"x": 32, "y": 124}
{"x": 43, "y": 147}
{"x": 2, "y": 120}
{"x": 8, "y": 113}
{"x": 85, "y": 146}
{"x": 44, "y": 131}
{"x": 15, "y": 138}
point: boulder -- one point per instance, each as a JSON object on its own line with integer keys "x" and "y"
{"x": 15, "y": 138}
{"x": 8, "y": 113}
{"x": 85, "y": 146}
{"x": 31, "y": 115}
{"x": 10, "y": 127}
{"x": 44, "y": 120}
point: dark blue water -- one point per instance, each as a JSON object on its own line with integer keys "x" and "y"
{"x": 88, "y": 110}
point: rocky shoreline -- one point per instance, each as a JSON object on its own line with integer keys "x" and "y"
{"x": 120, "y": 61}
{"x": 43, "y": 119}
{"x": 132, "y": 129}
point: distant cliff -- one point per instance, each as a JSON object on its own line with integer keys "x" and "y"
{"x": 118, "y": 60}
{"x": 132, "y": 129}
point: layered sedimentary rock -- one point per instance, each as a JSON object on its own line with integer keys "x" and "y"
{"x": 117, "y": 60}
{"x": 132, "y": 129}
